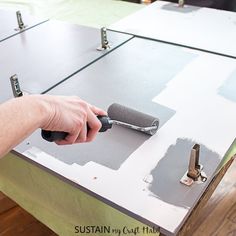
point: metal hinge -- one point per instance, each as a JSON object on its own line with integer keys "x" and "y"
{"x": 195, "y": 170}
{"x": 181, "y": 3}
{"x": 104, "y": 41}
{"x": 20, "y": 22}
{"x": 15, "y": 86}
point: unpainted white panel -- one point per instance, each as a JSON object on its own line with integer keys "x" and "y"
{"x": 203, "y": 28}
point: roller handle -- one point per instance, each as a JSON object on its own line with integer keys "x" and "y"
{"x": 52, "y": 136}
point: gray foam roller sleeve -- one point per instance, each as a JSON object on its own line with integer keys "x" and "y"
{"x": 127, "y": 115}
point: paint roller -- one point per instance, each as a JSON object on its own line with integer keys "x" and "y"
{"x": 117, "y": 115}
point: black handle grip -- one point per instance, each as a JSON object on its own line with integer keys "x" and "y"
{"x": 52, "y": 136}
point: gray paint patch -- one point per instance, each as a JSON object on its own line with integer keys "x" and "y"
{"x": 48, "y": 53}
{"x": 175, "y": 8}
{"x": 9, "y": 23}
{"x": 132, "y": 75}
{"x": 228, "y": 89}
{"x": 170, "y": 169}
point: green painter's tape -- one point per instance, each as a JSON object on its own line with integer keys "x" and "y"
{"x": 94, "y": 13}
{"x": 58, "y": 204}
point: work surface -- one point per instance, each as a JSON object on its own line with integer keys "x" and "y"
{"x": 190, "y": 91}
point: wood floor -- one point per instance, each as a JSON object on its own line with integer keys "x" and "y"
{"x": 14, "y": 221}
{"x": 217, "y": 218}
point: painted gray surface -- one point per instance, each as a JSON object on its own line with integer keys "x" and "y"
{"x": 132, "y": 75}
{"x": 9, "y": 23}
{"x": 171, "y": 168}
{"x": 173, "y": 8}
{"x": 48, "y": 53}
{"x": 228, "y": 89}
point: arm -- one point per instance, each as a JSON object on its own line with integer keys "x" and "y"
{"x": 19, "y": 117}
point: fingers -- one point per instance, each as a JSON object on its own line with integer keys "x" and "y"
{"x": 82, "y": 135}
{"x": 94, "y": 126}
{"x": 87, "y": 133}
{"x": 71, "y": 138}
{"x": 78, "y": 137}
{"x": 73, "y": 115}
{"x": 97, "y": 110}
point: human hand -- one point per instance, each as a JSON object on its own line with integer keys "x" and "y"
{"x": 71, "y": 115}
